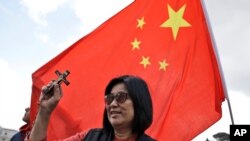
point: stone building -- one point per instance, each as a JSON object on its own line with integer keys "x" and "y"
{"x": 6, "y": 134}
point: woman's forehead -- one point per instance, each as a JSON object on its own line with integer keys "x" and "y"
{"x": 119, "y": 87}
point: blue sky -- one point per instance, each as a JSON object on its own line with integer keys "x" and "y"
{"x": 32, "y": 32}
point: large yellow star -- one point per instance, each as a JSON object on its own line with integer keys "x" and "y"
{"x": 175, "y": 20}
{"x": 145, "y": 61}
{"x": 163, "y": 65}
{"x": 136, "y": 44}
{"x": 141, "y": 23}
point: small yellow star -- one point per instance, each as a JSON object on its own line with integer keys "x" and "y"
{"x": 136, "y": 44}
{"x": 163, "y": 65}
{"x": 175, "y": 20}
{"x": 145, "y": 61}
{"x": 141, "y": 23}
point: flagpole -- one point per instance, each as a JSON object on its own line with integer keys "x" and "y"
{"x": 218, "y": 60}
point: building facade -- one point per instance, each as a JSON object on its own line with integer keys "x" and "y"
{"x": 6, "y": 134}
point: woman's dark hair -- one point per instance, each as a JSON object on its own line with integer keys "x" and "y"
{"x": 140, "y": 95}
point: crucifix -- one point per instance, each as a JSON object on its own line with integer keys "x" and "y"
{"x": 61, "y": 78}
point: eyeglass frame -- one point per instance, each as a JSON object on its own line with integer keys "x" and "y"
{"x": 116, "y": 97}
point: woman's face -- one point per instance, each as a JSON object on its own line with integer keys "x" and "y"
{"x": 120, "y": 115}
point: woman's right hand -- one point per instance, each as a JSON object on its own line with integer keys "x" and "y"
{"x": 48, "y": 102}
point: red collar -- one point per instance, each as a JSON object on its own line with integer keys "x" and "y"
{"x": 25, "y": 128}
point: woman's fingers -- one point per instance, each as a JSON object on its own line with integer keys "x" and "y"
{"x": 53, "y": 97}
{"x": 57, "y": 92}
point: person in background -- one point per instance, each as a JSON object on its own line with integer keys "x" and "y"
{"x": 25, "y": 129}
{"x": 127, "y": 114}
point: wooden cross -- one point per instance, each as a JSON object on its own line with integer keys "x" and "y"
{"x": 61, "y": 78}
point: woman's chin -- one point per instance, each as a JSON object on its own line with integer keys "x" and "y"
{"x": 115, "y": 122}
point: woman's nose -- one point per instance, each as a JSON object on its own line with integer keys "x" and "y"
{"x": 113, "y": 103}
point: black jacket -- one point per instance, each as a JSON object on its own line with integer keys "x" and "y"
{"x": 98, "y": 134}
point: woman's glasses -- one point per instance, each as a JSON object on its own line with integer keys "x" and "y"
{"x": 120, "y": 97}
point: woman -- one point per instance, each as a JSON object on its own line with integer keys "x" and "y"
{"x": 128, "y": 112}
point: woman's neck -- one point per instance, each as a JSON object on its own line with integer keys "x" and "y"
{"x": 123, "y": 134}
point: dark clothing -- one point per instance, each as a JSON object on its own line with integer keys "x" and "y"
{"x": 17, "y": 137}
{"x": 100, "y": 135}
{"x": 23, "y": 132}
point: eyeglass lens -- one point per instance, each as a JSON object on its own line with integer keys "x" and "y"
{"x": 120, "y": 97}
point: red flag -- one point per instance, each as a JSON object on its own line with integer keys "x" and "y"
{"x": 165, "y": 42}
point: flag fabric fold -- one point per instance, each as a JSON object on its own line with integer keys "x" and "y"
{"x": 167, "y": 43}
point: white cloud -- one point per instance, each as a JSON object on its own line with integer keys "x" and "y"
{"x": 231, "y": 34}
{"x": 43, "y": 37}
{"x": 240, "y": 103}
{"x": 5, "y": 10}
{"x": 13, "y": 91}
{"x": 38, "y": 9}
{"x": 95, "y": 12}
{"x": 67, "y": 43}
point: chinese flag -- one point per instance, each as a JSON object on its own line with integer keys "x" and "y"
{"x": 167, "y": 43}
